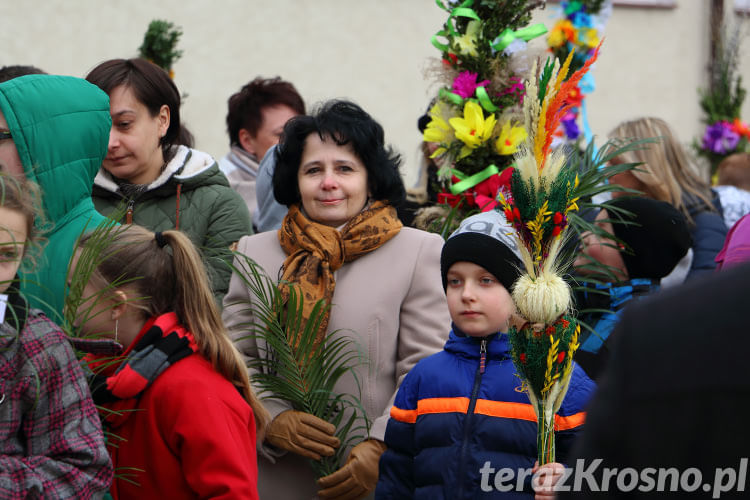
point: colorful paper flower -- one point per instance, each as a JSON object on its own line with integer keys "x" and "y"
{"x": 473, "y": 129}
{"x": 570, "y": 126}
{"x": 720, "y": 138}
{"x": 466, "y": 84}
{"x": 588, "y": 37}
{"x": 510, "y": 137}
{"x": 563, "y": 32}
{"x": 485, "y": 193}
{"x": 437, "y": 129}
{"x": 467, "y": 43}
{"x": 740, "y": 128}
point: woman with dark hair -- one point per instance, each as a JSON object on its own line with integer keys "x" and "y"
{"x": 152, "y": 173}
{"x": 341, "y": 241}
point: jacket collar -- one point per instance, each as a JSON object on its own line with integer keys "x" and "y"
{"x": 244, "y": 161}
{"x": 498, "y": 346}
{"x": 185, "y": 164}
{"x": 17, "y": 308}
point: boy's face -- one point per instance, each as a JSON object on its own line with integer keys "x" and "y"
{"x": 602, "y": 250}
{"x": 479, "y": 304}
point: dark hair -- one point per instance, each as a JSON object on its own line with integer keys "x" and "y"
{"x": 246, "y": 106}
{"x": 14, "y": 71}
{"x": 152, "y": 86}
{"x": 345, "y": 123}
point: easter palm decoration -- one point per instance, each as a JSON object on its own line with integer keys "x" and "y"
{"x": 295, "y": 365}
{"x": 543, "y": 190}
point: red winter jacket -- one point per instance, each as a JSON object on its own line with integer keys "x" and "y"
{"x": 192, "y": 436}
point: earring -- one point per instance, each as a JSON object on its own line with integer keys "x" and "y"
{"x": 116, "y": 324}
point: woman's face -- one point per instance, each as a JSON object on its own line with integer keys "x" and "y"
{"x": 595, "y": 248}
{"x": 332, "y": 181}
{"x": 134, "y": 153}
{"x": 627, "y": 180}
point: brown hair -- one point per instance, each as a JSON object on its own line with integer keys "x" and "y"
{"x": 734, "y": 170}
{"x": 667, "y": 170}
{"x": 246, "y": 106}
{"x": 153, "y": 87}
{"x": 173, "y": 278}
{"x": 21, "y": 195}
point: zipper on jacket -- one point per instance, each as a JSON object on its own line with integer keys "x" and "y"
{"x": 470, "y": 415}
{"x": 129, "y": 212}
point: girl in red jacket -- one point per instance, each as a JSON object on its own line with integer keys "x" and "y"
{"x": 177, "y": 400}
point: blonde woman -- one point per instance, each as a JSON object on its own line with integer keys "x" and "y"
{"x": 667, "y": 174}
{"x": 178, "y": 398}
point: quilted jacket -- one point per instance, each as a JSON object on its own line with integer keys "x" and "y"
{"x": 451, "y": 420}
{"x": 191, "y": 195}
{"x": 60, "y": 127}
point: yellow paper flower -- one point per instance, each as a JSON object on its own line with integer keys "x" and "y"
{"x": 563, "y": 32}
{"x": 438, "y": 130}
{"x": 473, "y": 129}
{"x": 467, "y": 43}
{"x": 510, "y": 137}
{"x": 589, "y": 37}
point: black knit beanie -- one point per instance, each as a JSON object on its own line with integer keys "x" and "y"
{"x": 656, "y": 242}
{"x": 486, "y": 240}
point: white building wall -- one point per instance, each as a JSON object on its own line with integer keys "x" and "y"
{"x": 374, "y": 52}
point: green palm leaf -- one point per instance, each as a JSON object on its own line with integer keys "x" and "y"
{"x": 291, "y": 366}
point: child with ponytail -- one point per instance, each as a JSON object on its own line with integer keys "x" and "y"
{"x": 178, "y": 400}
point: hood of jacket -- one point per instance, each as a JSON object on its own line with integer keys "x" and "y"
{"x": 189, "y": 167}
{"x": 60, "y": 127}
{"x": 460, "y": 344}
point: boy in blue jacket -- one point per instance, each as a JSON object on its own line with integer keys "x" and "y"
{"x": 461, "y": 427}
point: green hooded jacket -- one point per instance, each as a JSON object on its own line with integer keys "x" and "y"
{"x": 60, "y": 126}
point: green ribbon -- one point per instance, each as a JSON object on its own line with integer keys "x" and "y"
{"x": 485, "y": 100}
{"x": 436, "y": 43}
{"x": 463, "y": 10}
{"x": 450, "y": 96}
{"x": 508, "y": 36}
{"x": 469, "y": 182}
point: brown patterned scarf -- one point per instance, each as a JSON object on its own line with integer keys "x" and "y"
{"x": 315, "y": 251}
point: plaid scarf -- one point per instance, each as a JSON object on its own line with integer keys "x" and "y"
{"x": 162, "y": 342}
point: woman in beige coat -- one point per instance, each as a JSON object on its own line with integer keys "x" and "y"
{"x": 343, "y": 242}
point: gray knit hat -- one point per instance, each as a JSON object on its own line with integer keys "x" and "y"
{"x": 485, "y": 239}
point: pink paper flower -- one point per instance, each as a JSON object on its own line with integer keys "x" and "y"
{"x": 466, "y": 83}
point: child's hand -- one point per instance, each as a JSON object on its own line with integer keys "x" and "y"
{"x": 545, "y": 479}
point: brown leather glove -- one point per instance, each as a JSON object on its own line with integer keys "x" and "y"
{"x": 358, "y": 477}
{"x": 303, "y": 434}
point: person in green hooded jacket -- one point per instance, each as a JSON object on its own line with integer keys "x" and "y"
{"x": 151, "y": 172}
{"x": 54, "y": 130}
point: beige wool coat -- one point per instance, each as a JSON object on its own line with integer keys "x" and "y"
{"x": 390, "y": 300}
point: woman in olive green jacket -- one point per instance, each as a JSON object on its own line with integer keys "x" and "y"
{"x": 156, "y": 180}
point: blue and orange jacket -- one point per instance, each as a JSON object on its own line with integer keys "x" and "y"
{"x": 460, "y": 409}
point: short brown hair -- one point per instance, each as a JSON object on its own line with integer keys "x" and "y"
{"x": 246, "y": 106}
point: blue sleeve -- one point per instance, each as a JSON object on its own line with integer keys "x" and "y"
{"x": 270, "y": 213}
{"x": 708, "y": 235}
{"x": 396, "y": 474}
